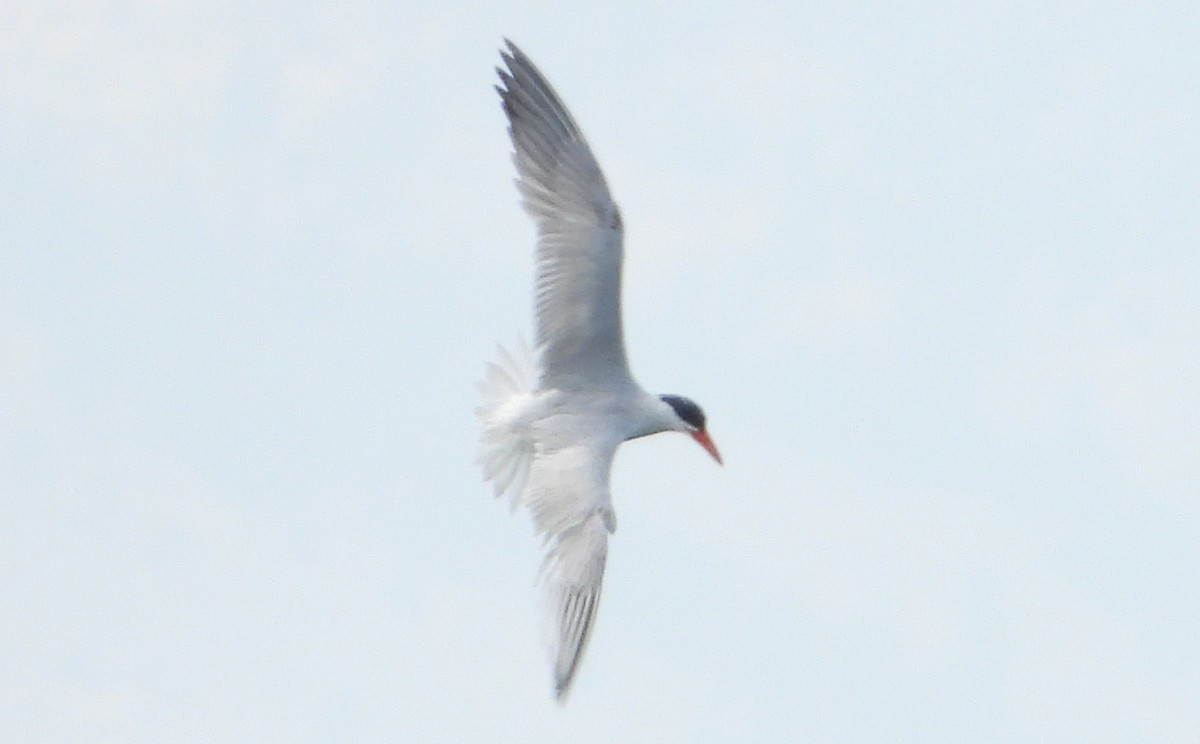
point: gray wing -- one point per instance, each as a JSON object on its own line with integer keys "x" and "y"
{"x": 578, "y": 286}
{"x": 574, "y": 570}
{"x": 569, "y": 500}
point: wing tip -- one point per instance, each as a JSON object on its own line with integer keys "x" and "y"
{"x": 564, "y": 678}
{"x": 562, "y": 689}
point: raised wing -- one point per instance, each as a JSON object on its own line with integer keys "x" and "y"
{"x": 578, "y": 286}
{"x": 569, "y": 500}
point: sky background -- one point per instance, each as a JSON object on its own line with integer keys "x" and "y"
{"x": 933, "y": 273}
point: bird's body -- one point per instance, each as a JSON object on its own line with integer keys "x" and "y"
{"x": 554, "y": 415}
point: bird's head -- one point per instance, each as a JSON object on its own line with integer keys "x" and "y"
{"x": 690, "y": 421}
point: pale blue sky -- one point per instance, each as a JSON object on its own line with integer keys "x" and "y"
{"x": 933, "y": 273}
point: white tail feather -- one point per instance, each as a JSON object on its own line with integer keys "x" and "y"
{"x": 506, "y": 446}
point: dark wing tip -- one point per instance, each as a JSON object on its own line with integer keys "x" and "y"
{"x": 511, "y": 50}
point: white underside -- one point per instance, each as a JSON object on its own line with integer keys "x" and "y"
{"x": 550, "y": 452}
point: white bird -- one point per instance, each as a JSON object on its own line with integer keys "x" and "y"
{"x": 553, "y": 416}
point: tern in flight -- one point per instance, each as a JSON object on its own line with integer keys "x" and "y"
{"x": 553, "y": 415}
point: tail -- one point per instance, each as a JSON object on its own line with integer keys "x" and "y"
{"x": 506, "y": 445}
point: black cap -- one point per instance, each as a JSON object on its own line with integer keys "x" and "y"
{"x": 686, "y": 410}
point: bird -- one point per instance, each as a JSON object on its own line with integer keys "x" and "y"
{"x": 555, "y": 412}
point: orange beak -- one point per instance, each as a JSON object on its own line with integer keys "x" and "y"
{"x": 704, "y": 441}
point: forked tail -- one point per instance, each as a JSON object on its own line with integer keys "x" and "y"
{"x": 506, "y": 445}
